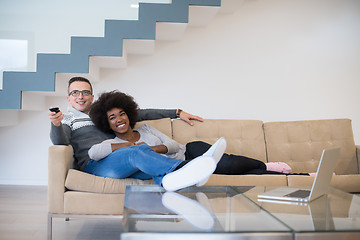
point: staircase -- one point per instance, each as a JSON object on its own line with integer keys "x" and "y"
{"x": 27, "y": 90}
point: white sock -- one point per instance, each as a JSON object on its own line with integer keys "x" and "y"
{"x": 191, "y": 173}
{"x": 216, "y": 151}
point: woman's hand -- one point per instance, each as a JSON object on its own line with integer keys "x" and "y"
{"x": 162, "y": 149}
{"x": 158, "y": 148}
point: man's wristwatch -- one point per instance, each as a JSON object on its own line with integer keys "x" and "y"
{"x": 178, "y": 111}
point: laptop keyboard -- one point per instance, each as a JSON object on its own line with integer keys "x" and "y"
{"x": 299, "y": 194}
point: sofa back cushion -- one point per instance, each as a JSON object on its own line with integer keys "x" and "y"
{"x": 163, "y": 125}
{"x": 244, "y": 137}
{"x": 300, "y": 143}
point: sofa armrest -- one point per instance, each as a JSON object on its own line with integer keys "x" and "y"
{"x": 59, "y": 162}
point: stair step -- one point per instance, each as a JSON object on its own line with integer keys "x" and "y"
{"x": 170, "y": 31}
{"x": 200, "y": 16}
{"x": 230, "y": 6}
{"x": 157, "y": 22}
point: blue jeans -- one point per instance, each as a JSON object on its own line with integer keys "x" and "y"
{"x": 139, "y": 162}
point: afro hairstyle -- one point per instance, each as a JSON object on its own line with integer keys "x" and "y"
{"x": 108, "y": 101}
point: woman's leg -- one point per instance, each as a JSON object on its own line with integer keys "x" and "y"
{"x": 140, "y": 175}
{"x": 229, "y": 164}
{"x": 127, "y": 162}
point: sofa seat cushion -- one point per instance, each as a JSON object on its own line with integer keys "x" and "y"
{"x": 347, "y": 183}
{"x": 247, "y": 180}
{"x": 84, "y": 182}
{"x": 93, "y": 203}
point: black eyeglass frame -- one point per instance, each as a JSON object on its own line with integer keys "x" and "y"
{"x": 76, "y": 93}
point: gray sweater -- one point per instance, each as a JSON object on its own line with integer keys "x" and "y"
{"x": 79, "y": 131}
{"x": 149, "y": 135}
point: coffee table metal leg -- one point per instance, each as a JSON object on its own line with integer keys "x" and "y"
{"x": 49, "y": 227}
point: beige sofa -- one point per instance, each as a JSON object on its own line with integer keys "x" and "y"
{"x": 299, "y": 143}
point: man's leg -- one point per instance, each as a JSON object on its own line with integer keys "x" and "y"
{"x": 229, "y": 164}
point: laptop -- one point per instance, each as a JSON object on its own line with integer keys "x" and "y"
{"x": 320, "y": 186}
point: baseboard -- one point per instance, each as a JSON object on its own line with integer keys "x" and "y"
{"x": 23, "y": 182}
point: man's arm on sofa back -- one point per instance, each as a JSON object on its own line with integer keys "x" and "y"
{"x": 59, "y": 162}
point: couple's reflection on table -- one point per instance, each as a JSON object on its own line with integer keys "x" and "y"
{"x": 170, "y": 207}
{"x": 220, "y": 209}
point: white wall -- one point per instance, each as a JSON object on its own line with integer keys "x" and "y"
{"x": 272, "y": 60}
{"x": 47, "y": 26}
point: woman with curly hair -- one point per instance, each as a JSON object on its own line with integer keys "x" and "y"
{"x": 128, "y": 156}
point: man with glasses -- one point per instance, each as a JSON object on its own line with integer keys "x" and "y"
{"x": 76, "y": 128}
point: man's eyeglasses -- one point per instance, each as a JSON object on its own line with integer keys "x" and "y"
{"x": 76, "y": 93}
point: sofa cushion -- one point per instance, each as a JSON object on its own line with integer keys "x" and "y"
{"x": 300, "y": 143}
{"x": 244, "y": 137}
{"x": 163, "y": 125}
{"x": 93, "y": 203}
{"x": 81, "y": 181}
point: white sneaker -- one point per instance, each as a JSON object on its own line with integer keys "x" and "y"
{"x": 192, "y": 173}
{"x": 216, "y": 151}
{"x": 193, "y": 212}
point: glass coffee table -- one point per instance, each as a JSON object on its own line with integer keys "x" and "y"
{"x": 225, "y": 212}
{"x": 332, "y": 216}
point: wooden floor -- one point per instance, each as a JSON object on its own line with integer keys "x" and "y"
{"x": 23, "y": 216}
